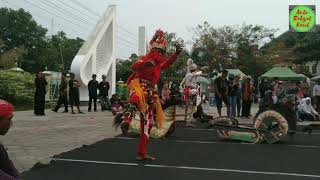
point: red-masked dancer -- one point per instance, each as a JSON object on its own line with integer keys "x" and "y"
{"x": 143, "y": 93}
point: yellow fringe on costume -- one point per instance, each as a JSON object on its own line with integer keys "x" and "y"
{"x": 159, "y": 114}
{"x": 135, "y": 85}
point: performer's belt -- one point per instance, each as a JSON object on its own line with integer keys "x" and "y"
{"x": 190, "y": 87}
{"x": 149, "y": 83}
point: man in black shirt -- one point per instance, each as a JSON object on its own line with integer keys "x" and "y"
{"x": 93, "y": 88}
{"x": 63, "y": 99}
{"x": 74, "y": 96}
{"x": 233, "y": 88}
{"x": 103, "y": 90}
{"x": 221, "y": 91}
{"x": 40, "y": 93}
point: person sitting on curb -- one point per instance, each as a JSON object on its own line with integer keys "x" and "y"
{"x": 7, "y": 169}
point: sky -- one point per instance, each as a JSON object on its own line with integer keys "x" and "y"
{"x": 178, "y": 16}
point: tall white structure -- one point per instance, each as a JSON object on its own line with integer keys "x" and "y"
{"x": 143, "y": 44}
{"x": 97, "y": 54}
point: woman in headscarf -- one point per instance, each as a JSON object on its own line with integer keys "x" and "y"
{"x": 306, "y": 111}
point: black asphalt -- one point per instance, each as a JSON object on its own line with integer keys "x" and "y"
{"x": 189, "y": 154}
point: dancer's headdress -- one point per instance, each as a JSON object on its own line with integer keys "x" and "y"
{"x": 160, "y": 42}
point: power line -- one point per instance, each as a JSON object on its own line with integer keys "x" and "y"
{"x": 66, "y": 4}
{"x": 124, "y": 40}
{"x": 54, "y": 6}
{"x": 32, "y": 4}
{"x": 128, "y": 32}
{"x": 42, "y": 17}
{"x": 119, "y": 43}
{"x": 96, "y": 14}
{"x": 128, "y": 45}
{"x": 72, "y": 15}
{"x": 85, "y": 7}
{"x": 125, "y": 35}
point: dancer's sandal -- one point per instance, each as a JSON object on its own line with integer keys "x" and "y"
{"x": 146, "y": 157}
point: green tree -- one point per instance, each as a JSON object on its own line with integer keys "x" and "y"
{"x": 134, "y": 57}
{"x": 18, "y": 28}
{"x": 124, "y": 70}
{"x": 62, "y": 50}
{"x": 10, "y": 57}
{"x": 231, "y": 47}
{"x": 308, "y": 48}
{"x": 20, "y": 31}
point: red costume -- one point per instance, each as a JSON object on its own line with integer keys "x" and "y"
{"x": 143, "y": 93}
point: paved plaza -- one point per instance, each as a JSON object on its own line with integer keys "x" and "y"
{"x": 35, "y": 139}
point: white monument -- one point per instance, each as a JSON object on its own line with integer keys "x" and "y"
{"x": 97, "y": 54}
{"x": 143, "y": 44}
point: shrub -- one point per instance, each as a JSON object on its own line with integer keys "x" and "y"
{"x": 17, "y": 88}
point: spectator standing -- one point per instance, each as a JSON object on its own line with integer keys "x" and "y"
{"x": 263, "y": 87}
{"x": 165, "y": 93}
{"x": 103, "y": 93}
{"x": 93, "y": 89}
{"x": 7, "y": 168}
{"x": 232, "y": 95}
{"x": 274, "y": 86}
{"x": 238, "y": 94}
{"x": 74, "y": 96}
{"x": 39, "y": 97}
{"x": 63, "y": 99}
{"x": 316, "y": 95}
{"x": 247, "y": 95}
{"x": 221, "y": 91}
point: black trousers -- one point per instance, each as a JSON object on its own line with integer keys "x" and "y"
{"x": 246, "y": 108}
{"x": 39, "y": 103}
{"x": 94, "y": 103}
{"x": 238, "y": 105}
{"x": 62, "y": 100}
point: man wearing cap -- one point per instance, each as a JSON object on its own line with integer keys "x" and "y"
{"x": 7, "y": 169}
{"x": 190, "y": 91}
{"x": 93, "y": 88}
{"x": 103, "y": 93}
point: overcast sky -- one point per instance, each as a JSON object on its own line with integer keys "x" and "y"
{"x": 170, "y": 15}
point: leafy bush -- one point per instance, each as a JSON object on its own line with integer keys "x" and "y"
{"x": 17, "y": 88}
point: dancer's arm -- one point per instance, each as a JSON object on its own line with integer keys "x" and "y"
{"x": 171, "y": 60}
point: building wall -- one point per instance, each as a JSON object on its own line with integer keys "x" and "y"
{"x": 314, "y": 67}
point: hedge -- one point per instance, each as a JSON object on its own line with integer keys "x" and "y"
{"x": 17, "y": 88}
